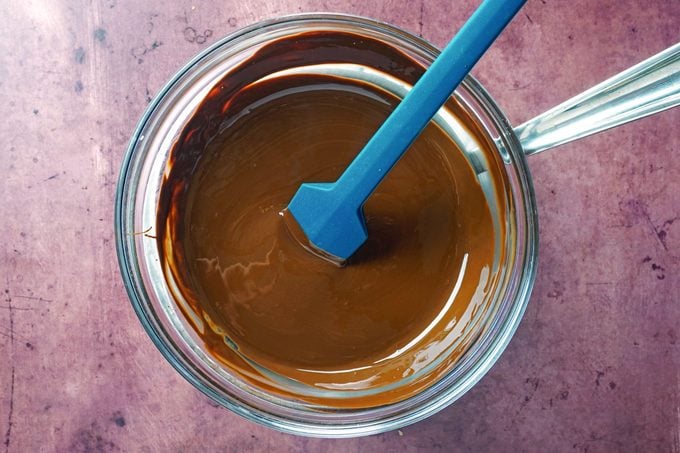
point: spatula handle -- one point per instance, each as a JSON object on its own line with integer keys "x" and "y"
{"x": 431, "y": 91}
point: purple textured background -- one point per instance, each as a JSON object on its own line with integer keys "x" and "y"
{"x": 594, "y": 366}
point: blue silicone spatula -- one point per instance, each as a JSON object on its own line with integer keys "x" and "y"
{"x": 331, "y": 214}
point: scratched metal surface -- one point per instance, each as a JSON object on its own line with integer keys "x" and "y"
{"x": 594, "y": 365}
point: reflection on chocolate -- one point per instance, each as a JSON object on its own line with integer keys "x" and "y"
{"x": 280, "y": 317}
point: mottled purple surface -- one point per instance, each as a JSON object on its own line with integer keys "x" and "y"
{"x": 594, "y": 366}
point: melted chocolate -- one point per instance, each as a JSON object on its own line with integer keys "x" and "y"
{"x": 280, "y": 317}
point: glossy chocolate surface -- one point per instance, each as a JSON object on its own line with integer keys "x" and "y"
{"x": 400, "y": 310}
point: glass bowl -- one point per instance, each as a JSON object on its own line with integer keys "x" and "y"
{"x": 158, "y": 303}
